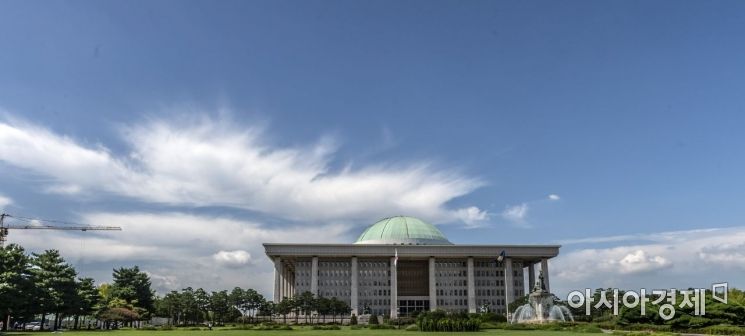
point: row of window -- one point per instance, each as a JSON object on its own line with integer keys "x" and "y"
{"x": 375, "y": 302}
{"x": 452, "y": 302}
{"x": 376, "y": 283}
{"x": 384, "y": 264}
{"x": 375, "y": 292}
{"x": 461, "y": 273}
{"x": 451, "y": 283}
{"x": 451, "y": 292}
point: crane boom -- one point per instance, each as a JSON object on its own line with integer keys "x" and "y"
{"x": 5, "y": 228}
{"x": 74, "y": 228}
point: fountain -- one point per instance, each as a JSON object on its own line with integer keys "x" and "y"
{"x": 540, "y": 307}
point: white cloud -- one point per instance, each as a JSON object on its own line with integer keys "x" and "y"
{"x": 5, "y": 201}
{"x": 638, "y": 261}
{"x": 472, "y": 216}
{"x": 683, "y": 259}
{"x": 516, "y": 213}
{"x": 725, "y": 254}
{"x": 179, "y": 249}
{"x": 213, "y": 163}
{"x": 554, "y": 197}
{"x": 232, "y": 258}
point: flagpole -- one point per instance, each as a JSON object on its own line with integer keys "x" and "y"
{"x": 500, "y": 259}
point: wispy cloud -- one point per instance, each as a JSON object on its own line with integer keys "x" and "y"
{"x": 516, "y": 213}
{"x": 691, "y": 258}
{"x": 232, "y": 258}
{"x": 473, "y": 217}
{"x": 5, "y": 201}
{"x": 181, "y": 248}
{"x": 210, "y": 162}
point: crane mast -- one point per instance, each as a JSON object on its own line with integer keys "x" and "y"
{"x": 4, "y": 228}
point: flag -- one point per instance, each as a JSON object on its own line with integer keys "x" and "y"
{"x": 395, "y": 259}
{"x": 501, "y": 256}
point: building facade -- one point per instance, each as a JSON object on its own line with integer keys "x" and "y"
{"x": 401, "y": 265}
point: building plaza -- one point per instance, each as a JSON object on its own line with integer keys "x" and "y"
{"x": 401, "y": 265}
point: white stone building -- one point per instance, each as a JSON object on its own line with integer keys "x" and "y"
{"x": 401, "y": 264}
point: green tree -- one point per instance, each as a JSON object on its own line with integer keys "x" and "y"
{"x": 221, "y": 308}
{"x": 268, "y": 308}
{"x": 284, "y": 307}
{"x": 171, "y": 306}
{"x": 338, "y": 307}
{"x": 15, "y": 282}
{"x": 134, "y": 286}
{"x": 55, "y": 283}
{"x": 238, "y": 299}
{"x": 88, "y": 298}
{"x": 254, "y": 301}
{"x": 191, "y": 312}
{"x": 247, "y": 302}
{"x": 203, "y": 302}
{"x": 305, "y": 303}
{"x": 323, "y": 307}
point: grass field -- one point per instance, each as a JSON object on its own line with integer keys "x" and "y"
{"x": 296, "y": 332}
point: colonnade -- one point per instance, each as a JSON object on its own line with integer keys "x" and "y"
{"x": 284, "y": 282}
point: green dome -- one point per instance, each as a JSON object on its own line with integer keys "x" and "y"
{"x": 402, "y": 230}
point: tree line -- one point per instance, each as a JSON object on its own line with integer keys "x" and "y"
{"x": 44, "y": 284}
{"x": 191, "y": 307}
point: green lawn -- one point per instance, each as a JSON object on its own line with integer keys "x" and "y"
{"x": 296, "y": 332}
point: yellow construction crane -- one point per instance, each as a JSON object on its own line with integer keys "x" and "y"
{"x": 45, "y": 224}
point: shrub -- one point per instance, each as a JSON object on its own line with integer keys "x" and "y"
{"x": 724, "y": 330}
{"x": 412, "y": 327}
{"x": 442, "y": 321}
{"x": 402, "y": 321}
{"x": 373, "y": 319}
{"x": 167, "y": 327}
{"x": 263, "y": 326}
{"x": 381, "y": 326}
{"x": 353, "y": 320}
{"x": 492, "y": 317}
{"x": 326, "y": 327}
{"x": 490, "y": 325}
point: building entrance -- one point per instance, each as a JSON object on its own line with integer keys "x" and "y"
{"x": 408, "y": 307}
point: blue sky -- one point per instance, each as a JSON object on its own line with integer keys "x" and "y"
{"x": 281, "y": 116}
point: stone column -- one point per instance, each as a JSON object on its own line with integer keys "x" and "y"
{"x": 277, "y": 279}
{"x": 394, "y": 289}
{"x": 432, "y": 284}
{"x": 531, "y": 277}
{"x": 286, "y": 291}
{"x": 471, "y": 287}
{"x": 314, "y": 276}
{"x": 509, "y": 282}
{"x": 544, "y": 269}
{"x": 284, "y": 282}
{"x": 291, "y": 283}
{"x": 355, "y": 284}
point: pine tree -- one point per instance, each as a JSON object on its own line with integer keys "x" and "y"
{"x": 55, "y": 284}
{"x": 134, "y": 286}
{"x": 88, "y": 298}
{"x": 15, "y": 282}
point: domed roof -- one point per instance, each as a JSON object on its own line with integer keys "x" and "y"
{"x": 402, "y": 230}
